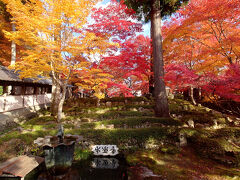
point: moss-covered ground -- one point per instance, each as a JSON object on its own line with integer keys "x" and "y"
{"x": 212, "y": 152}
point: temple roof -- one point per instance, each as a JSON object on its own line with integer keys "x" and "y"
{"x": 12, "y": 76}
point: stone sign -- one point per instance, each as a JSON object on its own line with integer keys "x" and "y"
{"x": 105, "y": 163}
{"x": 105, "y": 150}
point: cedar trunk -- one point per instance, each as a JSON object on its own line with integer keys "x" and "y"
{"x": 151, "y": 79}
{"x": 161, "y": 102}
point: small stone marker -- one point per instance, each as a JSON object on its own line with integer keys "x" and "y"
{"x": 105, "y": 163}
{"x": 182, "y": 139}
{"x": 105, "y": 150}
{"x": 191, "y": 123}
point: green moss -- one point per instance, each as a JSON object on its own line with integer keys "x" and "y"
{"x": 155, "y": 161}
{"x": 125, "y": 139}
{"x": 28, "y": 137}
{"x": 40, "y": 120}
{"x": 229, "y": 132}
{"x": 80, "y": 154}
{"x": 1, "y": 90}
{"x": 169, "y": 149}
{"x": 133, "y": 122}
{"x": 129, "y": 106}
{"x": 39, "y": 127}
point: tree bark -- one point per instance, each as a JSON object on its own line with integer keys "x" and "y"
{"x": 151, "y": 78}
{"x": 192, "y": 96}
{"x": 56, "y": 91}
{"x": 60, "y": 105}
{"x": 161, "y": 102}
{"x": 13, "y": 48}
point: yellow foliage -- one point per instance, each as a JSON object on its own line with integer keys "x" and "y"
{"x": 46, "y": 29}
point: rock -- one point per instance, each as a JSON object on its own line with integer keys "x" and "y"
{"x": 191, "y": 107}
{"x": 142, "y": 102}
{"x": 109, "y": 104}
{"x": 179, "y": 117}
{"x": 20, "y": 129}
{"x": 182, "y": 139}
{"x": 236, "y": 123}
{"x": 228, "y": 119}
{"x": 42, "y": 141}
{"x": 185, "y": 125}
{"x": 215, "y": 126}
{"x": 191, "y": 123}
{"x": 171, "y": 96}
{"x": 207, "y": 109}
{"x": 110, "y": 126}
{"x": 102, "y": 126}
{"x": 185, "y": 108}
{"x": 85, "y": 120}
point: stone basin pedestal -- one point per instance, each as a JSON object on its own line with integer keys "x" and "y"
{"x": 58, "y": 155}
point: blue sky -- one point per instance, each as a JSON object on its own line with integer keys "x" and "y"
{"x": 146, "y": 27}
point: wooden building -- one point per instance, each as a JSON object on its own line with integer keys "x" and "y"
{"x": 16, "y": 93}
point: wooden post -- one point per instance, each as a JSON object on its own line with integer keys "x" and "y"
{"x": 4, "y": 89}
{"x": 4, "y": 101}
{"x": 23, "y": 94}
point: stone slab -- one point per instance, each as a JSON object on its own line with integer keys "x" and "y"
{"x": 20, "y": 166}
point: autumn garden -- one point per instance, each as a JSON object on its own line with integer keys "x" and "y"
{"x": 169, "y": 100}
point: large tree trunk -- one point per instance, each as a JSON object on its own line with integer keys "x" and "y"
{"x": 160, "y": 95}
{"x": 13, "y": 48}
{"x": 151, "y": 79}
{"x": 60, "y": 105}
{"x": 56, "y": 92}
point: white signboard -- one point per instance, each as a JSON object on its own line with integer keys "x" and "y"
{"x": 105, "y": 150}
{"x": 105, "y": 163}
